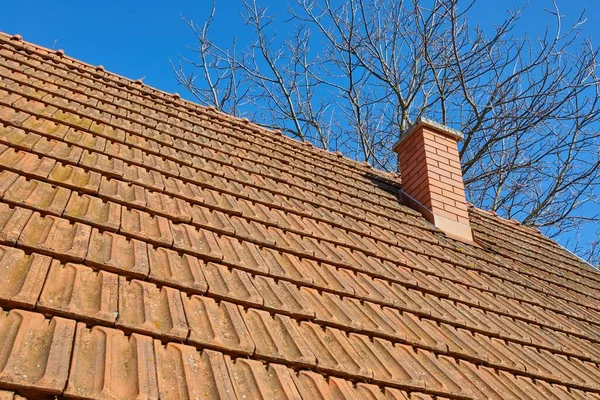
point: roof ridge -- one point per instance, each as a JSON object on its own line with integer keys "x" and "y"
{"x": 274, "y": 133}
{"x": 352, "y": 168}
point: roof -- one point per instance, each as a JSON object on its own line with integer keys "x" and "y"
{"x": 155, "y": 248}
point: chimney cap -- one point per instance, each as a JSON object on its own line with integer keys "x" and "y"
{"x": 441, "y": 128}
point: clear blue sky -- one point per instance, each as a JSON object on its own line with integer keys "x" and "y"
{"x": 138, "y": 38}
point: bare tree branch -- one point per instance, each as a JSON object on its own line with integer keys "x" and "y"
{"x": 353, "y": 75}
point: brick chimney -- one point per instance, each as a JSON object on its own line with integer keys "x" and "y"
{"x": 432, "y": 178}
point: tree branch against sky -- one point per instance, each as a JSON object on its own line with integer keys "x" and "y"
{"x": 353, "y": 75}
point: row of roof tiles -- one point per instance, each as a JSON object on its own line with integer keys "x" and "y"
{"x": 156, "y": 229}
{"x": 206, "y": 244}
{"x": 106, "y": 363}
{"x": 267, "y": 203}
{"x": 189, "y": 144}
{"x": 137, "y": 174}
{"x": 77, "y": 291}
{"x": 364, "y": 321}
{"x": 156, "y": 107}
{"x": 93, "y": 84}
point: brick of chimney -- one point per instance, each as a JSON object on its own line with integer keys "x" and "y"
{"x": 431, "y": 175}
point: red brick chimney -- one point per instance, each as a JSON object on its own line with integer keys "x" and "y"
{"x": 432, "y": 178}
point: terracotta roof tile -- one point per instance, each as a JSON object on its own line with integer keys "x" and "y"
{"x": 117, "y": 253}
{"x": 12, "y": 222}
{"x": 231, "y": 284}
{"x": 56, "y": 236}
{"x": 330, "y": 309}
{"x": 143, "y": 226}
{"x": 334, "y": 352}
{"x": 93, "y": 211}
{"x": 254, "y": 380}
{"x": 215, "y": 220}
{"x": 58, "y": 150}
{"x": 26, "y": 163}
{"x": 7, "y": 178}
{"x": 283, "y": 265}
{"x": 263, "y": 248}
{"x": 106, "y": 165}
{"x": 184, "y": 372}
{"x": 84, "y": 139}
{"x": 198, "y": 242}
{"x": 122, "y": 192}
{"x": 77, "y": 291}
{"x": 37, "y": 351}
{"x": 241, "y": 254}
{"x": 37, "y": 195}
{"x": 107, "y": 364}
{"x": 217, "y": 325}
{"x": 23, "y": 277}
{"x": 277, "y": 338}
{"x": 390, "y": 364}
{"x": 167, "y": 206}
{"x": 171, "y": 268}
{"x": 283, "y": 297}
{"x": 147, "y": 309}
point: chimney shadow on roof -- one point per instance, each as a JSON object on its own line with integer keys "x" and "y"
{"x": 394, "y": 187}
{"x": 388, "y": 185}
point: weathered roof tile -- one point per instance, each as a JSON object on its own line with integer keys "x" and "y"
{"x": 143, "y": 177}
{"x": 38, "y": 195}
{"x": 334, "y": 352}
{"x": 231, "y": 284}
{"x": 217, "y": 325}
{"x": 36, "y": 351}
{"x": 116, "y": 253}
{"x": 107, "y": 364}
{"x": 143, "y": 226}
{"x": 93, "y": 211}
{"x": 184, "y": 372}
{"x": 199, "y": 242}
{"x": 145, "y": 308}
{"x": 277, "y": 338}
{"x": 173, "y": 208}
{"x": 22, "y": 275}
{"x": 283, "y": 297}
{"x": 12, "y": 222}
{"x": 74, "y": 290}
{"x": 56, "y": 237}
{"x": 283, "y": 265}
{"x": 26, "y": 163}
{"x": 244, "y": 255}
{"x": 18, "y": 138}
{"x": 254, "y": 380}
{"x": 122, "y": 192}
{"x": 171, "y": 268}
{"x": 75, "y": 177}
{"x": 107, "y": 166}
{"x": 59, "y": 150}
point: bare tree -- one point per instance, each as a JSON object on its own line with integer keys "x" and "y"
{"x": 352, "y": 76}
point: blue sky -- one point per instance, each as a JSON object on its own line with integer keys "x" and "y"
{"x": 137, "y": 39}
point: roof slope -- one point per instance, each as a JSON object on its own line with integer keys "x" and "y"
{"x": 151, "y": 247}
